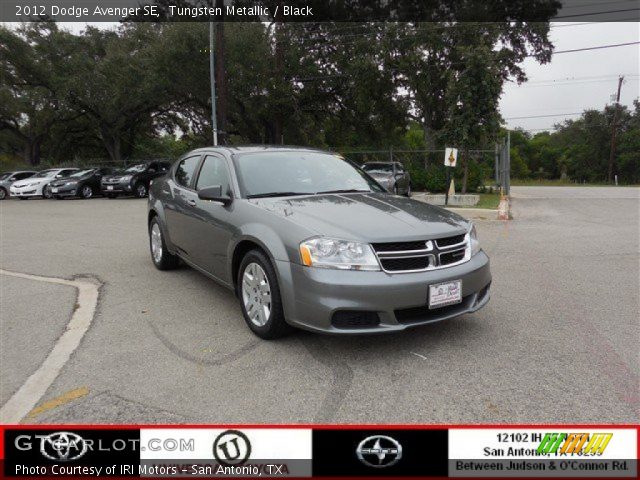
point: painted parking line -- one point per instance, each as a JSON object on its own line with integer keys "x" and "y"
{"x": 29, "y": 394}
{"x": 56, "y": 402}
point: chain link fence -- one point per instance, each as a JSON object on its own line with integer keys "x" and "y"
{"x": 427, "y": 169}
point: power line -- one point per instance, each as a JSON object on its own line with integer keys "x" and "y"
{"x": 545, "y": 116}
{"x": 593, "y": 48}
{"x": 596, "y": 13}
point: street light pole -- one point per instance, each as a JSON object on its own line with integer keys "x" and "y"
{"x": 212, "y": 71}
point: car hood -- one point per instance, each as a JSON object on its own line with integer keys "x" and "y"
{"x": 381, "y": 176}
{"x": 374, "y": 217}
{"x": 31, "y": 181}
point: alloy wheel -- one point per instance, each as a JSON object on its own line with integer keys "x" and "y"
{"x": 256, "y": 294}
{"x": 141, "y": 190}
{"x": 46, "y": 192}
{"x": 3, "y": 193}
{"x": 87, "y": 191}
{"x": 156, "y": 243}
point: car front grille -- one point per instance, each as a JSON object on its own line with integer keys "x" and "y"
{"x": 422, "y": 255}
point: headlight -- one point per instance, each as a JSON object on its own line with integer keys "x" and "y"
{"x": 126, "y": 178}
{"x": 473, "y": 239}
{"x": 340, "y": 254}
{"x": 71, "y": 184}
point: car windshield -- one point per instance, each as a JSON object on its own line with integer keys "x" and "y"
{"x": 378, "y": 168}
{"x": 82, "y": 173}
{"x": 299, "y": 173}
{"x": 5, "y": 175}
{"x": 45, "y": 173}
{"x": 136, "y": 168}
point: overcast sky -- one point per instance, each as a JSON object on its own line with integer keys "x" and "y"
{"x": 572, "y": 82}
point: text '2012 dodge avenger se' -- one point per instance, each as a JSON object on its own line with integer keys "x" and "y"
{"x": 307, "y": 239}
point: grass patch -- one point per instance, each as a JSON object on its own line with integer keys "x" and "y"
{"x": 488, "y": 200}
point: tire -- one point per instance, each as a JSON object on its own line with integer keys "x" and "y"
{"x": 408, "y": 190}
{"x": 86, "y": 192}
{"x": 162, "y": 258}
{"x": 3, "y": 194}
{"x": 140, "y": 190}
{"x": 269, "y": 324}
{"x": 46, "y": 192}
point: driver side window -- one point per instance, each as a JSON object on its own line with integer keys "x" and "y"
{"x": 213, "y": 172}
{"x": 185, "y": 171}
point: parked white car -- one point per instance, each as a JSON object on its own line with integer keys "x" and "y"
{"x": 38, "y": 185}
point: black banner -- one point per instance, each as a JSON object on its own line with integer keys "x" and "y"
{"x": 379, "y": 452}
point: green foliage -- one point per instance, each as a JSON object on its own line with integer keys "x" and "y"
{"x": 579, "y": 149}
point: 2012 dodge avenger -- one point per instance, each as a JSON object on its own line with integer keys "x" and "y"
{"x": 307, "y": 239}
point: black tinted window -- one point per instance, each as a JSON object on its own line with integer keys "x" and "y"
{"x": 214, "y": 172}
{"x": 20, "y": 176}
{"x": 186, "y": 169}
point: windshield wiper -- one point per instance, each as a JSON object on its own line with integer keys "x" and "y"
{"x": 348, "y": 190}
{"x": 277, "y": 194}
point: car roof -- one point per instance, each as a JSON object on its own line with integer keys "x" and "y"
{"x": 237, "y": 149}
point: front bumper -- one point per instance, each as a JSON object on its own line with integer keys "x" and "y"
{"x": 26, "y": 191}
{"x": 311, "y": 296}
{"x": 116, "y": 188}
{"x": 64, "y": 190}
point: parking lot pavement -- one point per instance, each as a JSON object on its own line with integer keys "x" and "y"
{"x": 557, "y": 342}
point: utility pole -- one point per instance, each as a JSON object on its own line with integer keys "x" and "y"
{"x": 212, "y": 74}
{"x": 614, "y": 130}
{"x": 221, "y": 77}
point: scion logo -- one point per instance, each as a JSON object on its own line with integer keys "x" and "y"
{"x": 379, "y": 451}
{"x": 231, "y": 447}
{"x": 63, "y": 446}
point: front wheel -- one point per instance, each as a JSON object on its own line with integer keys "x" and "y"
{"x": 260, "y": 297}
{"x": 141, "y": 190}
{"x": 162, "y": 259}
{"x": 86, "y": 191}
{"x": 3, "y": 194}
{"x": 46, "y": 192}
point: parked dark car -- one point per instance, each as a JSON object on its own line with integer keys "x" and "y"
{"x": 133, "y": 180}
{"x": 84, "y": 183}
{"x": 391, "y": 175}
{"x": 306, "y": 239}
{"x": 7, "y": 179}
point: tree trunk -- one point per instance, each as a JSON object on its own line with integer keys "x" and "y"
{"x": 32, "y": 151}
{"x": 465, "y": 174}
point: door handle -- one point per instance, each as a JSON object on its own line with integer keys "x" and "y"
{"x": 191, "y": 202}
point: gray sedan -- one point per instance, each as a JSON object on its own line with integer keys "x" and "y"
{"x": 306, "y": 239}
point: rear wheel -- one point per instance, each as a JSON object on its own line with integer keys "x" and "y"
{"x": 141, "y": 190}
{"x": 162, "y": 259}
{"x": 86, "y": 191}
{"x": 260, "y": 297}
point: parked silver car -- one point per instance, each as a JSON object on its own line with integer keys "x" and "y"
{"x": 307, "y": 239}
{"x": 391, "y": 175}
{"x": 8, "y": 178}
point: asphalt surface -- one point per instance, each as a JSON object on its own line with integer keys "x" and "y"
{"x": 558, "y": 341}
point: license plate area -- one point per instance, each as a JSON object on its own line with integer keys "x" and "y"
{"x": 54, "y": 190}
{"x": 446, "y": 293}
{"x": 109, "y": 187}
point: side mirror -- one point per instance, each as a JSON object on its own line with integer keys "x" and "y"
{"x": 214, "y": 193}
